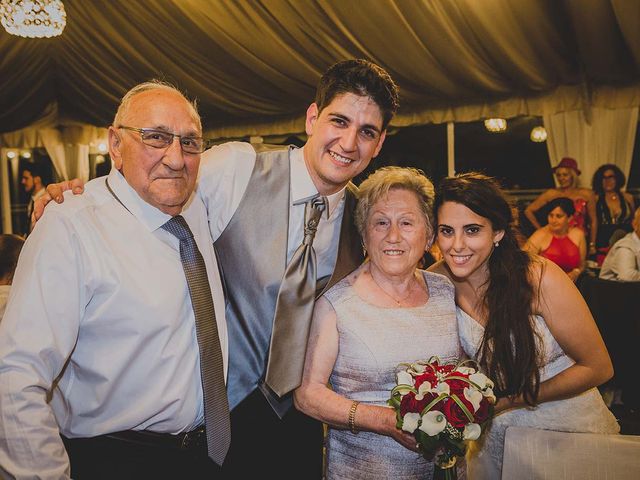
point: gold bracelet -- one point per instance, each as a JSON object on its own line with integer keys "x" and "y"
{"x": 352, "y": 416}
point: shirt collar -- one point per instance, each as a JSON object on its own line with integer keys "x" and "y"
{"x": 147, "y": 214}
{"x": 301, "y": 184}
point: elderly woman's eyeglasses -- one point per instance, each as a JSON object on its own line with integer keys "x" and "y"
{"x": 162, "y": 139}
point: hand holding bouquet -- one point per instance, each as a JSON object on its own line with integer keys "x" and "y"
{"x": 444, "y": 406}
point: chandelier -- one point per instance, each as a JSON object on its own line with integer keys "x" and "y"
{"x": 495, "y": 125}
{"x": 538, "y": 134}
{"x": 33, "y": 18}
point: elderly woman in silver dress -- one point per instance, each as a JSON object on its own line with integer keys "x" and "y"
{"x": 385, "y": 312}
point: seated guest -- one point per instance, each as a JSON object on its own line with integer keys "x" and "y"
{"x": 623, "y": 260}
{"x": 10, "y": 246}
{"x": 614, "y": 208}
{"x": 558, "y": 241}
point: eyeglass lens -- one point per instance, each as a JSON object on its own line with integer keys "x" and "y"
{"x": 160, "y": 139}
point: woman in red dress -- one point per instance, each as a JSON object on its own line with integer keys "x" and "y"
{"x": 584, "y": 200}
{"x": 560, "y": 242}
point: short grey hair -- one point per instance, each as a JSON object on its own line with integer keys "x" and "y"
{"x": 378, "y": 184}
{"x": 154, "y": 84}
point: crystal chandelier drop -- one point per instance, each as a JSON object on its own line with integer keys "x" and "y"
{"x": 538, "y": 134}
{"x": 495, "y": 125}
{"x": 33, "y": 18}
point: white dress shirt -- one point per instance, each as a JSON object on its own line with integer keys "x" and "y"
{"x": 622, "y": 262}
{"x": 224, "y": 175}
{"x": 99, "y": 284}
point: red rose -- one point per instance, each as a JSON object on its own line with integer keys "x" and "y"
{"x": 455, "y": 415}
{"x": 457, "y": 386}
{"x": 427, "y": 376}
{"x": 410, "y": 404}
{"x": 483, "y": 411}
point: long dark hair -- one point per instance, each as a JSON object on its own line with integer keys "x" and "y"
{"x": 598, "y": 176}
{"x": 508, "y": 352}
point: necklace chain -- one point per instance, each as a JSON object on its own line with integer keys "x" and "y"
{"x": 388, "y": 294}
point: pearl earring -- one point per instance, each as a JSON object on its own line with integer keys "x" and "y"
{"x": 496, "y": 243}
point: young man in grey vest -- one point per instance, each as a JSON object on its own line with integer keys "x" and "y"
{"x": 257, "y": 202}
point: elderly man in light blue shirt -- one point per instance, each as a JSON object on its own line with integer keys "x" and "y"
{"x": 100, "y": 340}
{"x": 622, "y": 263}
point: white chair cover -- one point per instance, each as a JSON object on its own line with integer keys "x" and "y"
{"x": 534, "y": 454}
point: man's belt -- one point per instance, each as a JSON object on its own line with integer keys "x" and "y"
{"x": 195, "y": 440}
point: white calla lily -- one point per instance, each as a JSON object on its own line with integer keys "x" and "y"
{"x": 410, "y": 422}
{"x": 488, "y": 392}
{"x": 433, "y": 422}
{"x": 474, "y": 396}
{"x": 466, "y": 370}
{"x": 404, "y": 378}
{"x": 419, "y": 368}
{"x": 481, "y": 380}
{"x": 424, "y": 387}
{"x": 471, "y": 431}
{"x": 442, "y": 387}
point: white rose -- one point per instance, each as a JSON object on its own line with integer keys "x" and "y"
{"x": 410, "y": 422}
{"x": 433, "y": 422}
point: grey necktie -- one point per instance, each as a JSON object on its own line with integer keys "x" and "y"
{"x": 216, "y": 406}
{"x": 294, "y": 306}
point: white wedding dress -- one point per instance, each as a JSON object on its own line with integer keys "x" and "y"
{"x": 583, "y": 413}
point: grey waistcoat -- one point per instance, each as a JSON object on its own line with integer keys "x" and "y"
{"x": 252, "y": 255}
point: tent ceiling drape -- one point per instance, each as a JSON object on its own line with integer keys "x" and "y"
{"x": 253, "y": 65}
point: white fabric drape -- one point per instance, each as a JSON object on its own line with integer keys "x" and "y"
{"x": 69, "y": 160}
{"x": 5, "y": 199}
{"x": 52, "y": 141}
{"x": 593, "y": 137}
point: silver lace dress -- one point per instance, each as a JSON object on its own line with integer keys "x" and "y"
{"x": 586, "y": 412}
{"x": 373, "y": 341}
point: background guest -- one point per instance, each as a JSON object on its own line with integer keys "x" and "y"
{"x": 614, "y": 208}
{"x": 522, "y": 319}
{"x": 584, "y": 202}
{"x": 622, "y": 263}
{"x": 384, "y": 313}
{"x": 559, "y": 241}
{"x": 34, "y": 184}
{"x": 10, "y": 246}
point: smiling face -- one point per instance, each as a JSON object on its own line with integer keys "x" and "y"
{"x": 566, "y": 177}
{"x": 558, "y": 221}
{"x": 397, "y": 233}
{"x": 466, "y": 240}
{"x": 343, "y": 138}
{"x": 163, "y": 177}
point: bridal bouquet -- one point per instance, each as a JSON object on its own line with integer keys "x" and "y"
{"x": 444, "y": 406}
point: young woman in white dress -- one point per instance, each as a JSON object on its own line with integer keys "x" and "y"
{"x": 522, "y": 318}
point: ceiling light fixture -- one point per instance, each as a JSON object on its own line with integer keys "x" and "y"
{"x": 33, "y": 18}
{"x": 538, "y": 134}
{"x": 495, "y": 125}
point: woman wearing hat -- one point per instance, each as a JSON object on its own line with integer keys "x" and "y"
{"x": 584, "y": 200}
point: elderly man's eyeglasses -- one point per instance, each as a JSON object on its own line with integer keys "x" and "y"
{"x": 162, "y": 139}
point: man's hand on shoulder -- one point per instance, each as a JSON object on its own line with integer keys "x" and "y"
{"x": 54, "y": 192}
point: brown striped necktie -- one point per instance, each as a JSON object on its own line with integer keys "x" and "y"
{"x": 216, "y": 405}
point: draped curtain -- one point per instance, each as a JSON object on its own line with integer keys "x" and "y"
{"x": 253, "y": 65}
{"x": 593, "y": 137}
